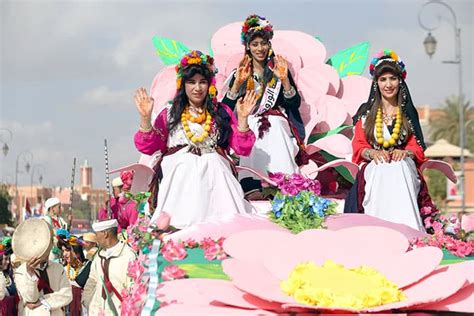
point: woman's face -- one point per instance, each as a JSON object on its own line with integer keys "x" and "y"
{"x": 259, "y": 48}
{"x": 388, "y": 85}
{"x": 66, "y": 255}
{"x": 5, "y": 262}
{"x": 196, "y": 89}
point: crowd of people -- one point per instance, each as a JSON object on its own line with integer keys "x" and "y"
{"x": 63, "y": 274}
{"x": 258, "y": 119}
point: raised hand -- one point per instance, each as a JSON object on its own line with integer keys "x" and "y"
{"x": 246, "y": 104}
{"x": 144, "y": 103}
{"x": 280, "y": 68}
{"x": 243, "y": 71}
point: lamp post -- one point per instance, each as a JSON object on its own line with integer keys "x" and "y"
{"x": 27, "y": 157}
{"x": 5, "y": 147}
{"x": 40, "y": 178}
{"x": 430, "y": 48}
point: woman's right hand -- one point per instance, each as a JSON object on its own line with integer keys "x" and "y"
{"x": 243, "y": 71}
{"x": 144, "y": 103}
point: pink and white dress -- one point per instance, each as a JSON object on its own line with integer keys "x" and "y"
{"x": 201, "y": 187}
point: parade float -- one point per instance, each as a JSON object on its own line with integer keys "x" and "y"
{"x": 298, "y": 254}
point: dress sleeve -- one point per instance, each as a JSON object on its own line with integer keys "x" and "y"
{"x": 419, "y": 154}
{"x": 240, "y": 142}
{"x": 155, "y": 140}
{"x": 359, "y": 143}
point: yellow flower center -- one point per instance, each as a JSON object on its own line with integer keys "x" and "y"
{"x": 332, "y": 285}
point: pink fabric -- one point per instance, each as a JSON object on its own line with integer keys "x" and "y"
{"x": 150, "y": 142}
{"x": 123, "y": 211}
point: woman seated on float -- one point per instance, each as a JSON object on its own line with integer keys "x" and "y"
{"x": 388, "y": 144}
{"x": 194, "y": 134}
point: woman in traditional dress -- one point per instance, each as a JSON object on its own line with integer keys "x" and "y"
{"x": 388, "y": 144}
{"x": 194, "y": 134}
{"x": 8, "y": 293}
{"x": 276, "y": 120}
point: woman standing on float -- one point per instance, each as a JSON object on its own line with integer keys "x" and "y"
{"x": 194, "y": 134}
{"x": 276, "y": 120}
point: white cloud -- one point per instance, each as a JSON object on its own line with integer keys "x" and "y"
{"x": 103, "y": 96}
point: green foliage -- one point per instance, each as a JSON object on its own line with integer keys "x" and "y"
{"x": 350, "y": 61}
{"x": 448, "y": 126}
{"x": 301, "y": 212}
{"x": 436, "y": 185}
{"x": 5, "y": 214}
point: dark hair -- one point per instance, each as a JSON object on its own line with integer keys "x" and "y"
{"x": 383, "y": 68}
{"x": 218, "y": 113}
{"x": 267, "y": 72}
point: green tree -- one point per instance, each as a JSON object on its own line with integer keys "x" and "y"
{"x": 5, "y": 214}
{"x": 436, "y": 186}
{"x": 447, "y": 126}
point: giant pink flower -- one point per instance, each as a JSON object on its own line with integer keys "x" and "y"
{"x": 262, "y": 259}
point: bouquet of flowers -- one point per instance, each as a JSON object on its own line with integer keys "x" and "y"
{"x": 297, "y": 205}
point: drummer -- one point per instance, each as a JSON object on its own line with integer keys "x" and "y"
{"x": 42, "y": 284}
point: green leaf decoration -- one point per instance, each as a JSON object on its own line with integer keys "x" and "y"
{"x": 350, "y": 61}
{"x": 340, "y": 169}
{"x": 334, "y": 131}
{"x": 319, "y": 38}
{"x": 211, "y": 52}
{"x": 169, "y": 51}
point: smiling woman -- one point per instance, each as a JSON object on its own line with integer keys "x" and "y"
{"x": 389, "y": 146}
{"x": 194, "y": 134}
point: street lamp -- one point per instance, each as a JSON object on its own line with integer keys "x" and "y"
{"x": 430, "y": 44}
{"x": 5, "y": 147}
{"x": 430, "y": 47}
{"x": 33, "y": 170}
{"x": 27, "y": 157}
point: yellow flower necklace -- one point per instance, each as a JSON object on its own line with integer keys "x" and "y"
{"x": 379, "y": 129}
{"x": 68, "y": 271}
{"x": 203, "y": 117}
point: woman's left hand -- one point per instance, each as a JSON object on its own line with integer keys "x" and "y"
{"x": 246, "y": 104}
{"x": 398, "y": 155}
{"x": 280, "y": 69}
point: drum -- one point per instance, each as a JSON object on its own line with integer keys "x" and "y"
{"x": 32, "y": 238}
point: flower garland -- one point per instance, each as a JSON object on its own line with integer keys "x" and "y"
{"x": 254, "y": 23}
{"x": 296, "y": 205}
{"x": 196, "y": 57}
{"x": 388, "y": 55}
{"x": 205, "y": 116}
{"x": 447, "y": 234}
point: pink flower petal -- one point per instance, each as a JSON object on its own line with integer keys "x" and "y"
{"x": 311, "y": 50}
{"x": 340, "y": 221}
{"x": 207, "y": 310}
{"x": 441, "y": 283}
{"x": 248, "y": 245}
{"x": 256, "y": 280}
{"x": 408, "y": 268}
{"x": 461, "y": 302}
{"x": 354, "y": 91}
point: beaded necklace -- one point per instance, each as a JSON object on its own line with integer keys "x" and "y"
{"x": 379, "y": 119}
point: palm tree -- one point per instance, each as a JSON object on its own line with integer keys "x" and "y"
{"x": 447, "y": 126}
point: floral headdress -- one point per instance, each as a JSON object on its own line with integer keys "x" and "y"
{"x": 254, "y": 23}
{"x": 196, "y": 57}
{"x": 6, "y": 246}
{"x": 387, "y": 55}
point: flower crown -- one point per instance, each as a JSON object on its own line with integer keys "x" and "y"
{"x": 67, "y": 237}
{"x": 196, "y": 57}
{"x": 387, "y": 55}
{"x": 254, "y": 23}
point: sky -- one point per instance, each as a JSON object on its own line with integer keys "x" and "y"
{"x": 69, "y": 68}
